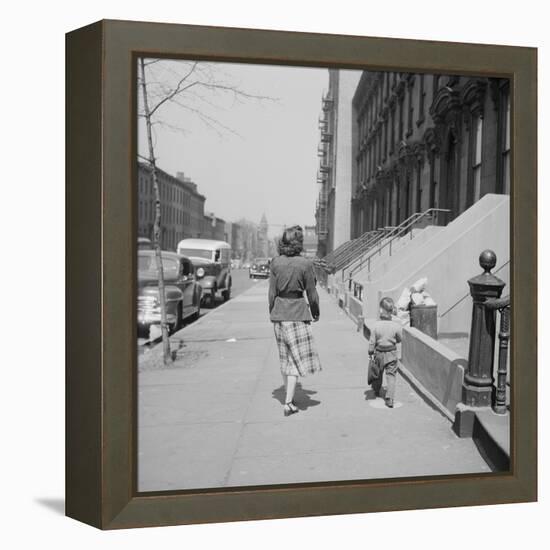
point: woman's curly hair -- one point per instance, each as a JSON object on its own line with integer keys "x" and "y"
{"x": 292, "y": 241}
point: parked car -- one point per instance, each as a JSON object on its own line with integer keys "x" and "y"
{"x": 260, "y": 268}
{"x": 143, "y": 243}
{"x": 183, "y": 293}
{"x": 212, "y": 261}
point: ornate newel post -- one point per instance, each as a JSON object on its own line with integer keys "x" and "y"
{"x": 477, "y": 388}
{"x": 478, "y": 380}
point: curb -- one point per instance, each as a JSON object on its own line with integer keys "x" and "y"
{"x": 217, "y": 308}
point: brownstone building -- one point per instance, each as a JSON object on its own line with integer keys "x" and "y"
{"x": 427, "y": 141}
{"x": 213, "y": 228}
{"x": 182, "y": 207}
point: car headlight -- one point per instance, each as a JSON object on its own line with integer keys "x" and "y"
{"x": 148, "y": 302}
{"x": 200, "y": 272}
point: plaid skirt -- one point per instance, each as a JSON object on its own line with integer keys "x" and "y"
{"x": 297, "y": 351}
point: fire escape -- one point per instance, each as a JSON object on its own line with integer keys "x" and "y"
{"x": 324, "y": 173}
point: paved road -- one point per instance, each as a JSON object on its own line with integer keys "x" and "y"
{"x": 215, "y": 418}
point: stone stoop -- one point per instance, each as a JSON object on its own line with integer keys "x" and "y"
{"x": 489, "y": 431}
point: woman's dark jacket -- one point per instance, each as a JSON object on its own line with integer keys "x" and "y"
{"x": 291, "y": 277}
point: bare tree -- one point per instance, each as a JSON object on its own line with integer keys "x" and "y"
{"x": 196, "y": 88}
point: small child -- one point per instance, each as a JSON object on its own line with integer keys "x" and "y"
{"x": 385, "y": 336}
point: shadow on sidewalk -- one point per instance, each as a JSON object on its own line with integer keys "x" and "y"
{"x": 302, "y": 397}
{"x": 369, "y": 394}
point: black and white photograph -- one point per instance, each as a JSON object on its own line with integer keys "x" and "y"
{"x": 323, "y": 274}
{"x": 285, "y": 270}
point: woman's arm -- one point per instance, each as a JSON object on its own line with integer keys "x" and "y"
{"x": 311, "y": 291}
{"x": 272, "y": 289}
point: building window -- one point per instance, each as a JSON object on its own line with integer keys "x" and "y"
{"x": 371, "y": 158}
{"x": 385, "y": 138}
{"x": 369, "y": 116}
{"x": 476, "y": 157}
{"x": 392, "y": 124}
{"x": 435, "y": 84}
{"x": 400, "y": 130}
{"x": 410, "y": 114}
{"x": 368, "y": 161}
{"x": 421, "y": 100}
{"x": 505, "y": 141}
{"x": 418, "y": 206}
{"x": 433, "y": 199}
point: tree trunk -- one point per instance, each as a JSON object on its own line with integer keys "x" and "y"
{"x": 167, "y": 356}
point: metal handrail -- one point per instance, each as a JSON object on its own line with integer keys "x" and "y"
{"x": 339, "y": 250}
{"x": 394, "y": 234}
{"x": 363, "y": 244}
{"x": 347, "y": 248}
{"x": 356, "y": 243}
{"x": 393, "y": 230}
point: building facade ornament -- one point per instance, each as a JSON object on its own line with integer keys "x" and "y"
{"x": 472, "y": 95}
{"x": 445, "y": 103}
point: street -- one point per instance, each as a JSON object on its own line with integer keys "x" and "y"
{"x": 215, "y": 418}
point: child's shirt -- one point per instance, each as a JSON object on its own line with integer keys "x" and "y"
{"x": 384, "y": 336}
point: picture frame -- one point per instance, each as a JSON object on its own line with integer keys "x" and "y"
{"x": 101, "y": 266}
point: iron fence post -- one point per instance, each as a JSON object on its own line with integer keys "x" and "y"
{"x": 504, "y": 338}
{"x": 502, "y": 305}
{"x": 477, "y": 389}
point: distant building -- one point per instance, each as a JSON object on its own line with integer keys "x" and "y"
{"x": 249, "y": 238}
{"x": 336, "y": 166}
{"x": 237, "y": 242}
{"x": 213, "y": 227}
{"x": 310, "y": 241}
{"x": 263, "y": 246}
{"x": 182, "y": 207}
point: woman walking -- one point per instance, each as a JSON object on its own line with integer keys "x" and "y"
{"x": 291, "y": 276}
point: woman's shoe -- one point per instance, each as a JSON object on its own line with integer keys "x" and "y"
{"x": 290, "y": 408}
{"x": 389, "y": 402}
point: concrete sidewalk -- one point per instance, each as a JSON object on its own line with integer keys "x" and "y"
{"x": 216, "y": 419}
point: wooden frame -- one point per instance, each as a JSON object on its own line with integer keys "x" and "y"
{"x": 101, "y": 229}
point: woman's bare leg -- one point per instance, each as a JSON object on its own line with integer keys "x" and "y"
{"x": 284, "y": 380}
{"x": 290, "y": 387}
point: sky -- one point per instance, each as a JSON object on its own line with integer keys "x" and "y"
{"x": 247, "y": 156}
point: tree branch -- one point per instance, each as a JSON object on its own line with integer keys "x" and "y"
{"x": 177, "y": 90}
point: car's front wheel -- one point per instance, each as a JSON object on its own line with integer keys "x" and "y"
{"x": 196, "y": 315}
{"x": 175, "y": 326}
{"x": 226, "y": 294}
{"x": 210, "y": 298}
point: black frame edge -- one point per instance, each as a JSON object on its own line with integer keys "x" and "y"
{"x": 83, "y": 215}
